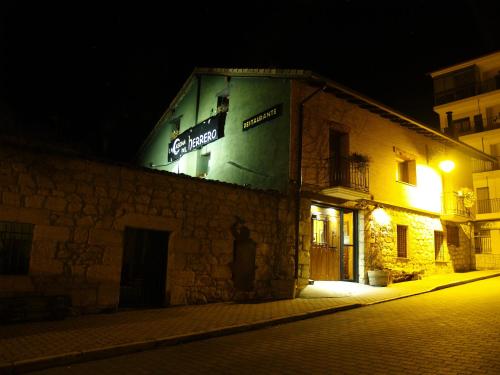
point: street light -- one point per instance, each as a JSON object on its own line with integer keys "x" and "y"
{"x": 447, "y": 165}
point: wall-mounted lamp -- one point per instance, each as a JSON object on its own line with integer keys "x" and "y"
{"x": 447, "y": 165}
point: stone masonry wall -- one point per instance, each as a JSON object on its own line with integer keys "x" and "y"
{"x": 381, "y": 240}
{"x": 80, "y": 208}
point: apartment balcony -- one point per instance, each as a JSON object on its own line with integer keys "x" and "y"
{"x": 349, "y": 179}
{"x": 466, "y": 91}
{"x": 488, "y": 209}
{"x": 479, "y": 166}
{"x": 455, "y": 208}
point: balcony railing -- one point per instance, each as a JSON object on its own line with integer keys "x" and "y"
{"x": 466, "y": 91}
{"x": 348, "y": 173}
{"x": 453, "y": 204}
{"x": 482, "y": 244}
{"x": 483, "y": 166}
{"x": 488, "y": 206}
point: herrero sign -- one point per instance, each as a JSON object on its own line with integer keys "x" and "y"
{"x": 199, "y": 135}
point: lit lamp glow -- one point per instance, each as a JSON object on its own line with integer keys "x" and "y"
{"x": 380, "y": 216}
{"x": 446, "y": 165}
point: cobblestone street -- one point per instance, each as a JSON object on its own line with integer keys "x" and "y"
{"x": 452, "y": 331}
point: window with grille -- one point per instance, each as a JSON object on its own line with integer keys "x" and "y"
{"x": 438, "y": 246}
{"x": 15, "y": 248}
{"x": 482, "y": 242}
{"x": 452, "y": 236}
{"x": 402, "y": 241}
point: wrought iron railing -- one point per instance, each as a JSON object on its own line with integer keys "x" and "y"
{"x": 466, "y": 91}
{"x": 482, "y": 244}
{"x": 453, "y": 204}
{"x": 483, "y": 166}
{"x": 349, "y": 173}
{"x": 487, "y": 206}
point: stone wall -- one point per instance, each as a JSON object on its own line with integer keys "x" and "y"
{"x": 381, "y": 242}
{"x": 80, "y": 207}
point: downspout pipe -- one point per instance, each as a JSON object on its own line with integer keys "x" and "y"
{"x": 298, "y": 176}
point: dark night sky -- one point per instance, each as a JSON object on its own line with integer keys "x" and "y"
{"x": 84, "y": 74}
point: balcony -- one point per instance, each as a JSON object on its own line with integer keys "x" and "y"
{"x": 349, "y": 179}
{"x": 466, "y": 91}
{"x": 479, "y": 166}
{"x": 455, "y": 208}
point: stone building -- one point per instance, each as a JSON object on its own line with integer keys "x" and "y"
{"x": 364, "y": 179}
{"x": 109, "y": 235}
{"x": 252, "y": 184}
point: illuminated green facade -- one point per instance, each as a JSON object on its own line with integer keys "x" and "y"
{"x": 257, "y": 156}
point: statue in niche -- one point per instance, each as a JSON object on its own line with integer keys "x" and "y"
{"x": 244, "y": 250}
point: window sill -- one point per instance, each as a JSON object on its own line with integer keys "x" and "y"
{"x": 401, "y": 259}
{"x": 406, "y": 183}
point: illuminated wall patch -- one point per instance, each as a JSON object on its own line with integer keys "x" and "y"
{"x": 262, "y": 117}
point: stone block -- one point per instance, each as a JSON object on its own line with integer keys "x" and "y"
{"x": 222, "y": 272}
{"x": 56, "y": 204}
{"x": 47, "y": 232}
{"x": 178, "y": 296}
{"x": 11, "y": 199}
{"x": 105, "y": 237}
{"x": 183, "y": 278}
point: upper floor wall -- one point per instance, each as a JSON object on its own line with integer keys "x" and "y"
{"x": 402, "y": 164}
{"x": 467, "y": 96}
{"x": 250, "y": 144}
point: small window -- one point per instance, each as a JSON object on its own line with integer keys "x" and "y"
{"x": 320, "y": 228}
{"x": 203, "y": 165}
{"x": 402, "y": 241}
{"x": 452, "y": 236}
{"x": 438, "y": 246}
{"x": 222, "y": 104}
{"x": 407, "y": 172}
{"x": 176, "y": 127}
{"x": 15, "y": 248}
{"x": 462, "y": 124}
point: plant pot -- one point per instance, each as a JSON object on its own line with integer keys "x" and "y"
{"x": 378, "y": 277}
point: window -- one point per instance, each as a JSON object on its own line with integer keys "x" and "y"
{"x": 176, "y": 127}
{"x": 438, "y": 246}
{"x": 482, "y": 242}
{"x": 407, "y": 167}
{"x": 320, "y": 228}
{"x": 15, "y": 248}
{"x": 462, "y": 125}
{"x": 203, "y": 164}
{"x": 483, "y": 200}
{"x": 402, "y": 241}
{"x": 407, "y": 172}
{"x": 452, "y": 237}
{"x": 222, "y": 104}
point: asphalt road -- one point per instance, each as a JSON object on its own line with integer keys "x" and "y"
{"x": 452, "y": 331}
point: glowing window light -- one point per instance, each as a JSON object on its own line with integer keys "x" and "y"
{"x": 447, "y": 166}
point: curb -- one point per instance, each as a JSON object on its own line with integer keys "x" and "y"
{"x": 42, "y": 363}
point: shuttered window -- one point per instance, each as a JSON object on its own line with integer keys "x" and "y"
{"x": 15, "y": 248}
{"x": 452, "y": 237}
{"x": 402, "y": 241}
{"x": 438, "y": 246}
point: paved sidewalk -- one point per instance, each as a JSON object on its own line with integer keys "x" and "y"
{"x": 31, "y": 346}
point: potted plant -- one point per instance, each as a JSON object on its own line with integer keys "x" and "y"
{"x": 377, "y": 274}
{"x": 359, "y": 158}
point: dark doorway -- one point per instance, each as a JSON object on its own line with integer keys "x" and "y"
{"x": 144, "y": 268}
